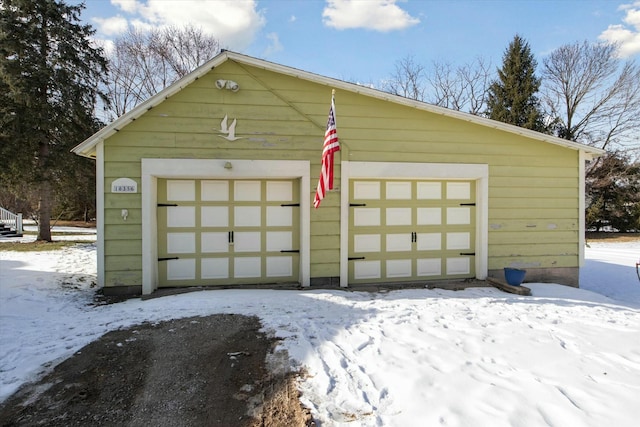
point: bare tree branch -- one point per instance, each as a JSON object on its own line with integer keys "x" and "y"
{"x": 592, "y": 96}
{"x": 143, "y": 63}
{"x": 460, "y": 88}
{"x": 407, "y": 80}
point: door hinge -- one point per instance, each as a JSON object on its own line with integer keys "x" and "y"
{"x": 160, "y": 205}
{"x": 414, "y": 237}
{"x": 168, "y": 258}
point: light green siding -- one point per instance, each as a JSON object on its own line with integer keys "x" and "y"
{"x": 533, "y": 185}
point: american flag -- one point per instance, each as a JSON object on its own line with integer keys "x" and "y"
{"x": 330, "y": 146}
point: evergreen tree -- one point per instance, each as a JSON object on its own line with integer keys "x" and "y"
{"x": 613, "y": 194}
{"x": 49, "y": 75}
{"x": 512, "y": 96}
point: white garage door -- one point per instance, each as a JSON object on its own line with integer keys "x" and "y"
{"x": 411, "y": 230}
{"x": 225, "y": 232}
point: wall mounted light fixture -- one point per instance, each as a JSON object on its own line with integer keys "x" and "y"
{"x": 227, "y": 84}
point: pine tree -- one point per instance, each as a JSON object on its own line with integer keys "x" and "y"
{"x": 512, "y": 96}
{"x": 49, "y": 75}
{"x": 613, "y": 194}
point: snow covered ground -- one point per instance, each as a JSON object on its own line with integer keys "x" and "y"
{"x": 479, "y": 357}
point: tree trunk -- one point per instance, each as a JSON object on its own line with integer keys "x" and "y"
{"x": 44, "y": 211}
{"x": 44, "y": 194}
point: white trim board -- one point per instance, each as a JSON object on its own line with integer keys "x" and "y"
{"x": 152, "y": 169}
{"x": 442, "y": 171}
{"x": 100, "y": 214}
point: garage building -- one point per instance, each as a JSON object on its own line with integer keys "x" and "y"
{"x": 211, "y": 183}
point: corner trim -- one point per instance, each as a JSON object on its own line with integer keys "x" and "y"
{"x": 100, "y": 253}
{"x": 582, "y": 160}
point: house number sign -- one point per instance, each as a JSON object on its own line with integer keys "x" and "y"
{"x": 124, "y": 185}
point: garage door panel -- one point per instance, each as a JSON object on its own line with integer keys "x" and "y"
{"x": 181, "y": 243}
{"x": 429, "y": 216}
{"x": 226, "y": 232}
{"x": 279, "y": 216}
{"x": 214, "y": 216}
{"x": 215, "y": 268}
{"x": 181, "y": 190}
{"x": 181, "y": 269}
{"x": 398, "y": 216}
{"x": 458, "y": 266}
{"x": 367, "y": 243}
{"x": 367, "y": 269}
{"x": 247, "y": 191}
{"x": 429, "y": 267}
{"x": 429, "y": 241}
{"x": 279, "y": 241}
{"x": 429, "y": 190}
{"x": 398, "y": 242}
{"x": 247, "y": 216}
{"x": 181, "y": 216}
{"x": 246, "y": 241}
{"x": 366, "y": 217}
{"x": 214, "y": 242}
{"x": 214, "y": 191}
{"x": 247, "y": 267}
{"x": 366, "y": 190}
{"x": 398, "y": 190}
{"x": 458, "y": 190}
{"x": 459, "y": 216}
{"x": 279, "y": 266}
{"x": 399, "y": 268}
{"x": 405, "y": 230}
{"x": 458, "y": 241}
{"x": 280, "y": 191}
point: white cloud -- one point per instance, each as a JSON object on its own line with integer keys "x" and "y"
{"x": 274, "y": 44}
{"x": 234, "y": 23}
{"x": 111, "y": 26}
{"x": 378, "y": 15}
{"x": 626, "y": 36}
{"x": 129, "y": 6}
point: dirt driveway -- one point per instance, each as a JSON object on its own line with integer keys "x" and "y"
{"x": 217, "y": 370}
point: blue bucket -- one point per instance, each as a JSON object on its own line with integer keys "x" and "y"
{"x": 514, "y": 276}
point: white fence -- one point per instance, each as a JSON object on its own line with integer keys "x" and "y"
{"x": 13, "y": 221}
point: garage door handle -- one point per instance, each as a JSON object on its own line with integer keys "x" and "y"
{"x": 467, "y": 204}
{"x": 357, "y": 204}
{"x": 160, "y": 205}
{"x": 355, "y": 257}
{"x": 290, "y": 204}
{"x": 468, "y": 253}
{"x": 168, "y": 259}
{"x": 290, "y": 251}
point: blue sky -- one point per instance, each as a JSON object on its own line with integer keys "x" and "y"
{"x": 360, "y": 40}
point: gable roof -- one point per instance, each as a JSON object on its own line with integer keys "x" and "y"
{"x": 87, "y": 147}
